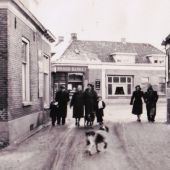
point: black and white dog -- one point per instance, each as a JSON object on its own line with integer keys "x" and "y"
{"x": 93, "y": 138}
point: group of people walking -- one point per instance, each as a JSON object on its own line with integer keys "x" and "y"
{"x": 150, "y": 97}
{"x": 88, "y": 103}
{"x": 85, "y": 103}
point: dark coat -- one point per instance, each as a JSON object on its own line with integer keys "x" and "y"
{"x": 53, "y": 110}
{"x": 151, "y": 98}
{"x": 90, "y": 101}
{"x": 136, "y": 101}
{"x": 78, "y": 104}
{"x": 62, "y": 97}
{"x": 100, "y": 112}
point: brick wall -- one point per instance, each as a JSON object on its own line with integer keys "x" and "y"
{"x": 3, "y": 65}
{"x": 16, "y": 109}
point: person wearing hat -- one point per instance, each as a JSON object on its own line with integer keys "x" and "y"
{"x": 151, "y": 98}
{"x": 90, "y": 102}
{"x": 62, "y": 97}
{"x": 136, "y": 101}
{"x": 77, "y": 102}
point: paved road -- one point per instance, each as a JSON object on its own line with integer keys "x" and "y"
{"x": 132, "y": 146}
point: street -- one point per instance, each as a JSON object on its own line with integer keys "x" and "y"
{"x": 131, "y": 146}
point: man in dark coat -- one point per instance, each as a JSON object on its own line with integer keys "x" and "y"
{"x": 151, "y": 98}
{"x": 136, "y": 101}
{"x": 62, "y": 97}
{"x": 90, "y": 100}
{"x": 78, "y": 105}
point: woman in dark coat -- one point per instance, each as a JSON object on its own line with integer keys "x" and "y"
{"x": 151, "y": 98}
{"x": 62, "y": 97}
{"x": 136, "y": 101}
{"x": 78, "y": 105}
{"x": 90, "y": 101}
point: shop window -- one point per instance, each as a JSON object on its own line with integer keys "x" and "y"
{"x": 119, "y": 91}
{"x": 129, "y": 79}
{"x": 123, "y": 79}
{"x": 75, "y": 77}
{"x": 116, "y": 79}
{"x": 109, "y": 89}
{"x": 129, "y": 89}
{"x": 25, "y": 71}
{"x": 121, "y": 85}
{"x": 109, "y": 79}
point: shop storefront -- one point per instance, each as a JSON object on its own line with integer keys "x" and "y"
{"x": 69, "y": 76}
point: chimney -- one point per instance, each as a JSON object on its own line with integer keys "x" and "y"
{"x": 123, "y": 40}
{"x": 73, "y": 36}
{"x": 60, "y": 39}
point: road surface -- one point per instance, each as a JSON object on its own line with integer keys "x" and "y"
{"x": 132, "y": 146}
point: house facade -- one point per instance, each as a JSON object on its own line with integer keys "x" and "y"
{"x": 114, "y": 68}
{"x": 24, "y": 72}
{"x": 166, "y": 43}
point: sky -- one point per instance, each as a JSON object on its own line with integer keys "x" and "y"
{"x": 141, "y": 21}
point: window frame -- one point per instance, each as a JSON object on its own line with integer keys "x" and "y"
{"x": 26, "y": 96}
{"x": 119, "y": 83}
{"x": 46, "y": 73}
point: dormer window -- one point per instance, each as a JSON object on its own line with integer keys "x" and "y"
{"x": 124, "y": 58}
{"x": 111, "y": 57}
{"x": 156, "y": 59}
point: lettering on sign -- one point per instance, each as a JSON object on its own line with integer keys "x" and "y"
{"x": 70, "y": 68}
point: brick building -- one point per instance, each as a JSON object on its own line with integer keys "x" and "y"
{"x": 24, "y": 71}
{"x": 114, "y": 68}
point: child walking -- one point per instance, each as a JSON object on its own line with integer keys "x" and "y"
{"x": 99, "y": 112}
{"x": 53, "y": 111}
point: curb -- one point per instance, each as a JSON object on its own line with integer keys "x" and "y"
{"x": 17, "y": 142}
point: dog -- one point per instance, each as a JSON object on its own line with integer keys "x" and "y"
{"x": 93, "y": 138}
{"x": 89, "y": 120}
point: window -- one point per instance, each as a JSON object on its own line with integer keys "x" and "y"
{"x": 25, "y": 71}
{"x": 162, "y": 86}
{"x": 120, "y": 86}
{"x": 46, "y": 83}
{"x": 46, "y": 91}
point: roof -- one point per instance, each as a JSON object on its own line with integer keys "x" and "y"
{"x": 103, "y": 50}
{"x": 34, "y": 20}
{"x": 166, "y": 41}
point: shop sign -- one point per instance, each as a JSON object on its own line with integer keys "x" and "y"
{"x": 97, "y": 84}
{"x": 70, "y": 69}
